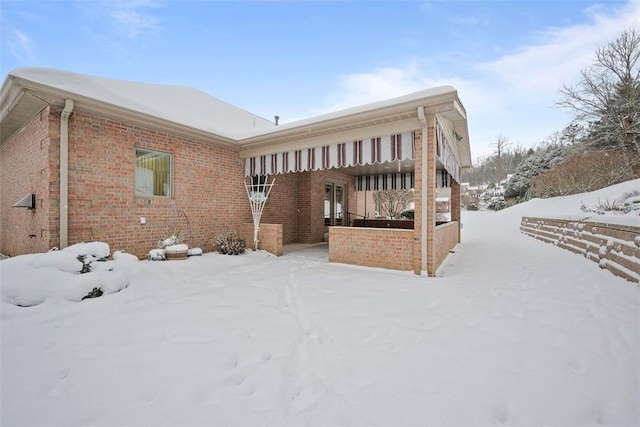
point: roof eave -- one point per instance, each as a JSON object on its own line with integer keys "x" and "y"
{"x": 14, "y": 88}
{"x": 349, "y": 118}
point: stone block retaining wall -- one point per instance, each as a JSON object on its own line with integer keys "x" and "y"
{"x": 614, "y": 247}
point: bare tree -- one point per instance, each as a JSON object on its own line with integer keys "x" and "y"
{"x": 501, "y": 144}
{"x": 607, "y": 99}
{"x": 393, "y": 202}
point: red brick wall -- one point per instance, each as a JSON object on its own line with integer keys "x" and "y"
{"x": 25, "y": 161}
{"x": 446, "y": 237}
{"x": 269, "y": 237}
{"x": 297, "y": 202}
{"x": 372, "y": 247}
{"x": 281, "y": 205}
{"x": 208, "y": 187}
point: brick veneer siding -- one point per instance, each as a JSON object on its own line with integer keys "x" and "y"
{"x": 207, "y": 185}
{"x": 447, "y": 236}
{"x": 372, "y": 247}
{"x": 28, "y": 164}
{"x": 269, "y": 237}
{"x": 614, "y": 247}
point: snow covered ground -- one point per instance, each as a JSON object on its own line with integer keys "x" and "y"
{"x": 515, "y": 332}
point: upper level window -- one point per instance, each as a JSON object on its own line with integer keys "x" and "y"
{"x": 153, "y": 173}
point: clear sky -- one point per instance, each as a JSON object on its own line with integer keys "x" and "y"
{"x": 297, "y": 59}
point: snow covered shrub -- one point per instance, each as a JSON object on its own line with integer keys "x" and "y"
{"x": 602, "y": 207}
{"x": 497, "y": 205}
{"x": 86, "y": 264}
{"x": 230, "y": 242}
{"x": 95, "y": 293}
{"x": 156, "y": 255}
{"x": 630, "y": 194}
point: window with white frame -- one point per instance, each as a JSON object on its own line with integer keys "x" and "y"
{"x": 153, "y": 173}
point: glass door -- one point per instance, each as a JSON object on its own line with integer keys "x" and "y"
{"x": 334, "y": 204}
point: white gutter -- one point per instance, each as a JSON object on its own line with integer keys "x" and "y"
{"x": 423, "y": 192}
{"x": 64, "y": 172}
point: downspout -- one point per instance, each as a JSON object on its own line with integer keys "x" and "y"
{"x": 64, "y": 172}
{"x": 423, "y": 192}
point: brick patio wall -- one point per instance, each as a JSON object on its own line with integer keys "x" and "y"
{"x": 446, "y": 238}
{"x": 372, "y": 247}
{"x": 614, "y": 247}
{"x": 269, "y": 237}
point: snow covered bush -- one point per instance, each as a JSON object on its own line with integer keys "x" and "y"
{"x": 29, "y": 280}
{"x": 156, "y": 255}
{"x": 95, "y": 293}
{"x": 230, "y": 242}
{"x": 497, "y": 204}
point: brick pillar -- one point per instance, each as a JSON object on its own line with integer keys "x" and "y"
{"x": 455, "y": 204}
{"x": 417, "y": 223}
{"x": 430, "y": 194}
{"x": 424, "y": 248}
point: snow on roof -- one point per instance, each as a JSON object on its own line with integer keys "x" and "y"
{"x": 190, "y": 107}
{"x": 404, "y": 99}
{"x": 179, "y": 104}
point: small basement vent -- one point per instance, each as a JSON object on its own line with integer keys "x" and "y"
{"x": 28, "y": 201}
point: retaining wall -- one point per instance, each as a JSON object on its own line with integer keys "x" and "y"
{"x": 614, "y": 247}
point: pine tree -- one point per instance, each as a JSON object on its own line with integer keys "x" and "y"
{"x": 540, "y": 161}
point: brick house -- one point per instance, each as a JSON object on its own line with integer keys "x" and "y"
{"x": 124, "y": 163}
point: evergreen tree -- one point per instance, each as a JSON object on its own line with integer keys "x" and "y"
{"x": 541, "y": 161}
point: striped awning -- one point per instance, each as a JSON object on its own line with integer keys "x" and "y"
{"x": 445, "y": 153}
{"x": 369, "y": 151}
{"x": 392, "y": 181}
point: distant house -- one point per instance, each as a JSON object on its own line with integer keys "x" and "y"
{"x": 91, "y": 158}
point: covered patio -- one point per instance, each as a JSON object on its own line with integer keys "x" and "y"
{"x": 326, "y": 168}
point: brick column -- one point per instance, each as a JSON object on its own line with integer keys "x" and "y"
{"x": 424, "y": 249}
{"x": 455, "y": 204}
{"x": 417, "y": 223}
{"x": 430, "y": 194}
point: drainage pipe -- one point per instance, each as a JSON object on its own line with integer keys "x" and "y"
{"x": 64, "y": 172}
{"x": 423, "y": 189}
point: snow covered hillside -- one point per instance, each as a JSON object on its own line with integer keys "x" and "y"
{"x": 514, "y": 332}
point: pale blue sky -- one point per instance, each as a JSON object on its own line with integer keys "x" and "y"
{"x": 296, "y": 59}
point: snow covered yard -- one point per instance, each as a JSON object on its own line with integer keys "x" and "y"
{"x": 515, "y": 332}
